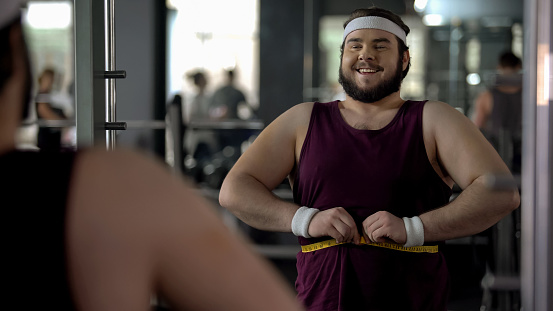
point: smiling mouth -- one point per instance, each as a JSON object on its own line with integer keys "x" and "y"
{"x": 366, "y": 70}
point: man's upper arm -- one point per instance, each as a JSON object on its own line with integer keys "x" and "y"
{"x": 483, "y": 107}
{"x": 461, "y": 149}
{"x": 272, "y": 155}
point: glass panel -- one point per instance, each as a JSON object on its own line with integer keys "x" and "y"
{"x": 48, "y": 27}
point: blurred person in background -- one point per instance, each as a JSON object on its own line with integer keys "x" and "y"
{"x": 498, "y": 114}
{"x": 48, "y": 138}
{"x": 225, "y": 104}
{"x": 199, "y": 143}
{"x": 498, "y": 111}
{"x": 197, "y": 102}
{"x": 226, "y": 99}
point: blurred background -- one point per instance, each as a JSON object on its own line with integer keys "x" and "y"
{"x": 282, "y": 52}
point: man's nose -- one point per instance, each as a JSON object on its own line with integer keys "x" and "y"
{"x": 365, "y": 55}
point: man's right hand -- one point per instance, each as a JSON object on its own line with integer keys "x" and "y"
{"x": 336, "y": 223}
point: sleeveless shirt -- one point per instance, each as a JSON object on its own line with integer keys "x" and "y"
{"x": 35, "y": 184}
{"x": 506, "y": 112}
{"x": 365, "y": 171}
{"x": 504, "y": 127}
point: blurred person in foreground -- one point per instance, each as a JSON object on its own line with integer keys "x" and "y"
{"x": 121, "y": 230}
{"x": 372, "y": 176}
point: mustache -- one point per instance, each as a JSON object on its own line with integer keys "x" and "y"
{"x": 365, "y": 65}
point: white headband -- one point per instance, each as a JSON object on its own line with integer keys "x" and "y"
{"x": 374, "y": 22}
{"x": 9, "y": 9}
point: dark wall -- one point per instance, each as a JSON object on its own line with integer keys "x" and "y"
{"x": 340, "y": 7}
{"x": 280, "y": 56}
{"x": 140, "y": 50}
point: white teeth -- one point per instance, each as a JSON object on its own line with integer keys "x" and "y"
{"x": 363, "y": 70}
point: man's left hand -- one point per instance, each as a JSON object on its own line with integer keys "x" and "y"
{"x": 383, "y": 227}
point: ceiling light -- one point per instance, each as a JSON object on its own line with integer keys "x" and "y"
{"x": 473, "y": 79}
{"x": 420, "y": 5}
{"x": 433, "y": 20}
{"x": 49, "y": 15}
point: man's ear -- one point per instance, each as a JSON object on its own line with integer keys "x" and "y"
{"x": 405, "y": 60}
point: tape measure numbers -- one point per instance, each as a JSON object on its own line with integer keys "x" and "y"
{"x": 329, "y": 243}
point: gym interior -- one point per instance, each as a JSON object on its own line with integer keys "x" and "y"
{"x": 124, "y": 77}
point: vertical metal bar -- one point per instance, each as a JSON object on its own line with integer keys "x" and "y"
{"x": 537, "y": 182}
{"x": 110, "y": 66}
{"x": 544, "y": 147}
{"x": 528, "y": 157}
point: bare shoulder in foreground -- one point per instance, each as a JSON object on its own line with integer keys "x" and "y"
{"x": 135, "y": 230}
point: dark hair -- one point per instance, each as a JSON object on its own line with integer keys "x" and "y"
{"x": 196, "y": 76}
{"x": 230, "y": 73}
{"x": 47, "y": 72}
{"x": 509, "y": 60}
{"x": 375, "y": 11}
{"x": 6, "y": 53}
{"x": 6, "y": 63}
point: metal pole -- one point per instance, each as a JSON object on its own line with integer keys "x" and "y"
{"x": 537, "y": 210}
{"x": 528, "y": 157}
{"x": 544, "y": 148}
{"x": 110, "y": 66}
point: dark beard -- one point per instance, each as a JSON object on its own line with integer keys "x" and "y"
{"x": 382, "y": 90}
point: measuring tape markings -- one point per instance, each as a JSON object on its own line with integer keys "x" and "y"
{"x": 329, "y": 243}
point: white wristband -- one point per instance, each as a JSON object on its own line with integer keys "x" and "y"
{"x": 301, "y": 220}
{"x": 415, "y": 231}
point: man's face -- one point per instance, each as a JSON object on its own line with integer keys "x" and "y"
{"x": 371, "y": 67}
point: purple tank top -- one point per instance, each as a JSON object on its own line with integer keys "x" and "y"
{"x": 366, "y": 171}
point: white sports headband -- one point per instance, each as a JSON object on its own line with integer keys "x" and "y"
{"x": 375, "y": 22}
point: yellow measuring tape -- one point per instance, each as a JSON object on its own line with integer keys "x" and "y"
{"x": 329, "y": 243}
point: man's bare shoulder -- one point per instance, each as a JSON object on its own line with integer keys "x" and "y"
{"x": 438, "y": 110}
{"x": 435, "y": 104}
{"x": 300, "y": 111}
{"x": 293, "y": 119}
{"x": 440, "y": 118}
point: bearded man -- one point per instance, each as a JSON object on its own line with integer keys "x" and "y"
{"x": 371, "y": 178}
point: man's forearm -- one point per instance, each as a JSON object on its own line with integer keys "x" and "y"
{"x": 250, "y": 201}
{"x": 474, "y": 210}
